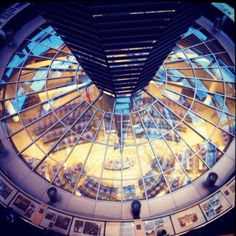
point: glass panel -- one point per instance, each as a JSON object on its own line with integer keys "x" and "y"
{"x": 214, "y": 101}
{"x": 21, "y": 140}
{"x": 78, "y": 158}
{"x": 131, "y": 165}
{"x": 63, "y": 148}
{"x": 131, "y": 190}
{"x": 79, "y": 122}
{"x": 104, "y": 129}
{"x": 115, "y": 132}
{"x": 10, "y": 74}
{"x": 66, "y": 93}
{"x": 149, "y": 125}
{"x": 206, "y": 61}
{"x": 215, "y": 46}
{"x": 48, "y": 169}
{"x": 51, "y": 136}
{"x": 39, "y": 127}
{"x": 127, "y": 130}
{"x": 192, "y": 164}
{"x": 167, "y": 111}
{"x": 95, "y": 161}
{"x": 230, "y": 106}
{"x": 164, "y": 155}
{"x": 32, "y": 114}
{"x": 180, "y": 81}
{"x": 91, "y": 129}
{"x": 208, "y": 73}
{"x": 87, "y": 187}
{"x": 105, "y": 103}
{"x": 110, "y": 190}
{"x": 65, "y": 152}
{"x": 31, "y": 74}
{"x": 227, "y": 122}
{"x": 66, "y": 178}
{"x": 189, "y": 41}
{"x": 178, "y": 64}
{"x": 211, "y": 86}
{"x": 32, "y": 155}
{"x": 114, "y": 163}
{"x": 196, "y": 51}
{"x": 224, "y": 59}
{"x": 176, "y": 56}
{"x": 9, "y": 90}
{"x": 206, "y": 112}
{"x": 203, "y": 34}
{"x": 203, "y": 127}
{"x": 228, "y": 74}
{"x": 221, "y": 139}
{"x": 147, "y": 158}
{"x": 230, "y": 89}
{"x": 208, "y": 153}
{"x": 53, "y": 83}
{"x": 155, "y": 186}
{"x": 12, "y": 124}
{"x": 155, "y": 88}
{"x": 143, "y": 99}
{"x": 180, "y": 72}
{"x": 162, "y": 125}
{"x": 138, "y": 129}
{"x": 176, "y": 178}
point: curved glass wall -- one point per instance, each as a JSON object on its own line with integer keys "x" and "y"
{"x": 98, "y": 146}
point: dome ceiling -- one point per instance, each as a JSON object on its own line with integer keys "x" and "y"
{"x": 93, "y": 144}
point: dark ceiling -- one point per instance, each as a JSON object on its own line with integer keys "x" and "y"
{"x": 121, "y": 45}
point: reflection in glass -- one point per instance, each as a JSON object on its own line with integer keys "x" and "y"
{"x": 96, "y": 145}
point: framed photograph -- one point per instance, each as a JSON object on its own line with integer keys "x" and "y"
{"x": 62, "y": 222}
{"x": 7, "y": 191}
{"x": 83, "y": 227}
{"x": 22, "y": 202}
{"x": 231, "y": 186}
{"x": 229, "y": 192}
{"x": 38, "y": 216}
{"x": 51, "y": 216}
{"x": 24, "y": 206}
{"x": 91, "y": 228}
{"x": 78, "y": 226}
{"x": 154, "y": 227}
{"x": 214, "y": 205}
{"x": 56, "y": 221}
{"x": 187, "y": 219}
{"x": 30, "y": 211}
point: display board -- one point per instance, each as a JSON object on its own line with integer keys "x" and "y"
{"x": 43, "y": 215}
{"x": 188, "y": 219}
{"x": 154, "y": 227}
{"x": 82, "y": 227}
{"x": 56, "y": 221}
{"x": 229, "y": 192}
{"x": 7, "y": 191}
{"x": 24, "y": 206}
{"x": 120, "y": 228}
{"x": 214, "y": 206}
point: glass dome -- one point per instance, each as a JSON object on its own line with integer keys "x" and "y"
{"x": 103, "y": 147}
